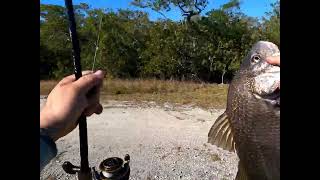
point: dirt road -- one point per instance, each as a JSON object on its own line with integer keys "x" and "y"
{"x": 164, "y": 142}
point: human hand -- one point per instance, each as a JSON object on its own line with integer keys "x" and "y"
{"x": 68, "y": 100}
{"x": 275, "y": 60}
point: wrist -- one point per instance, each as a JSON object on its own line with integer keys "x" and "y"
{"x": 46, "y": 126}
{"x": 46, "y": 133}
{"x": 49, "y": 133}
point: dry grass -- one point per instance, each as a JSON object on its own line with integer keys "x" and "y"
{"x": 47, "y": 86}
{"x": 203, "y": 95}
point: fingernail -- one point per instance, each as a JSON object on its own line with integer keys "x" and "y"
{"x": 99, "y": 73}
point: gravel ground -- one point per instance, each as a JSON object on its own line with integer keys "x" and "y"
{"x": 164, "y": 142}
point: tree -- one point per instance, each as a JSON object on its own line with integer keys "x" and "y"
{"x": 230, "y": 36}
{"x": 189, "y": 8}
{"x": 55, "y": 52}
{"x": 130, "y": 45}
{"x": 271, "y": 29}
{"x": 55, "y": 44}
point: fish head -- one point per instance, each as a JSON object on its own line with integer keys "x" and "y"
{"x": 264, "y": 76}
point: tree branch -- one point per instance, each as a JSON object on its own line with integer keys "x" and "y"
{"x": 196, "y": 6}
{"x": 199, "y": 9}
{"x": 181, "y": 7}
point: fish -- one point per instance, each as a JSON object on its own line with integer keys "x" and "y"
{"x": 250, "y": 125}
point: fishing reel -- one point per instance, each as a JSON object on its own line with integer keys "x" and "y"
{"x": 113, "y": 168}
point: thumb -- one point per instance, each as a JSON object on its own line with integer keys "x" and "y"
{"x": 274, "y": 60}
{"x": 87, "y": 82}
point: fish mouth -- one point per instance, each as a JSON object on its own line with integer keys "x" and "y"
{"x": 273, "y": 98}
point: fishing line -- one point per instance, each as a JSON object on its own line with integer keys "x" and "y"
{"x": 97, "y": 46}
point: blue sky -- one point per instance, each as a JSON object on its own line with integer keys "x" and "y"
{"x": 255, "y": 8}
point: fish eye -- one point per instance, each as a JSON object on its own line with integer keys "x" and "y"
{"x": 255, "y": 58}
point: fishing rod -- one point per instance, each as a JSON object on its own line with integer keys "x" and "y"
{"x": 111, "y": 168}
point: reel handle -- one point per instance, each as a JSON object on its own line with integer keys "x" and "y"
{"x": 69, "y": 168}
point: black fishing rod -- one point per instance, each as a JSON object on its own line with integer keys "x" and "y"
{"x": 111, "y": 168}
{"x": 84, "y": 167}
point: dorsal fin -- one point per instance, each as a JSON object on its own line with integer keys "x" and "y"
{"x": 221, "y": 135}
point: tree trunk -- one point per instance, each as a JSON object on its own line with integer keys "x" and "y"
{"x": 223, "y": 73}
{"x": 222, "y": 76}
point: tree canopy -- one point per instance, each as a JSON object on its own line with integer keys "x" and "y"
{"x": 206, "y": 47}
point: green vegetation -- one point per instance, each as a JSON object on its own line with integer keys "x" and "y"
{"x": 205, "y": 48}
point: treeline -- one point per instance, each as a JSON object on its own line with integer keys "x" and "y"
{"x": 130, "y": 45}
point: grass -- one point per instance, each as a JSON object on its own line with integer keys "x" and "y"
{"x": 47, "y": 86}
{"x": 201, "y": 94}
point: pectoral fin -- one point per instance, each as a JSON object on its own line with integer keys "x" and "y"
{"x": 221, "y": 135}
